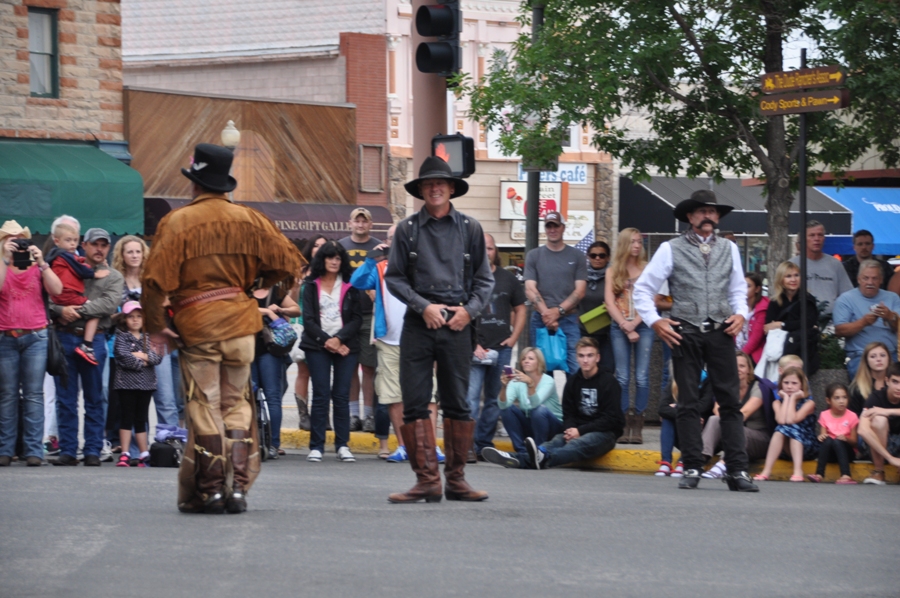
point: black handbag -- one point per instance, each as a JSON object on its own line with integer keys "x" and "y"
{"x": 56, "y": 356}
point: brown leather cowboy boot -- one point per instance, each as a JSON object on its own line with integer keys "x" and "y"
{"x": 457, "y": 440}
{"x": 637, "y": 428}
{"x": 420, "y": 447}
{"x": 625, "y": 438}
{"x": 211, "y": 474}
{"x": 240, "y": 455}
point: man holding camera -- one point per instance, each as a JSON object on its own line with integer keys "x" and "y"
{"x": 439, "y": 268}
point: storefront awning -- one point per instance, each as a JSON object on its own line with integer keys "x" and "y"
{"x": 295, "y": 220}
{"x": 40, "y": 181}
{"x": 874, "y": 209}
{"x": 648, "y": 205}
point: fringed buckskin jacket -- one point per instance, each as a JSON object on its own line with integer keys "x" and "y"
{"x": 209, "y": 244}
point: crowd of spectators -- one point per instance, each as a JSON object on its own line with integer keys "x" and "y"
{"x": 350, "y": 324}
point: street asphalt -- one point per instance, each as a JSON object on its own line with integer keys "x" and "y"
{"x": 326, "y": 530}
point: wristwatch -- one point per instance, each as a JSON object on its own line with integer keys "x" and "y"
{"x": 562, "y": 310}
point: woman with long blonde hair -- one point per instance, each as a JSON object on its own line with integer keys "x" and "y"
{"x": 870, "y": 376}
{"x": 784, "y": 313}
{"x": 129, "y": 256}
{"x": 631, "y": 337}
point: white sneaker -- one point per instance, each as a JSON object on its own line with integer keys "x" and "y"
{"x": 345, "y": 455}
{"x": 314, "y": 456}
{"x": 106, "y": 454}
{"x": 501, "y": 430}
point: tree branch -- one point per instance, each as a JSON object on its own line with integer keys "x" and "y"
{"x": 698, "y": 49}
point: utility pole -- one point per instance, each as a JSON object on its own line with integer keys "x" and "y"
{"x": 534, "y": 178}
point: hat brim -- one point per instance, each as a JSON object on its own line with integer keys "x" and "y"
{"x": 687, "y": 206}
{"x": 460, "y": 187}
{"x": 24, "y": 232}
{"x": 228, "y": 187}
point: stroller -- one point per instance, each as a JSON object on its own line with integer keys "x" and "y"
{"x": 263, "y": 422}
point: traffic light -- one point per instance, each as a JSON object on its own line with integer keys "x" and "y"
{"x": 456, "y": 150}
{"x": 443, "y": 21}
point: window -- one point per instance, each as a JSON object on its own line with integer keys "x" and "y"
{"x": 371, "y": 168}
{"x": 43, "y": 53}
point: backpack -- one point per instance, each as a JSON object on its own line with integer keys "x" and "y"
{"x": 411, "y": 228}
{"x": 166, "y": 454}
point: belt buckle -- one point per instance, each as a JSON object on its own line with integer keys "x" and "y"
{"x": 706, "y": 326}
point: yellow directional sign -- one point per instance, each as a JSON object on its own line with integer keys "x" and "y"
{"x": 827, "y": 76}
{"x": 808, "y": 101}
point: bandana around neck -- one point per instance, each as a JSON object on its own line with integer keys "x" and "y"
{"x": 704, "y": 246}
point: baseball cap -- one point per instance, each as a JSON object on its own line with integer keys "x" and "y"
{"x": 555, "y": 218}
{"x": 130, "y": 306}
{"x": 96, "y": 234}
{"x": 361, "y": 212}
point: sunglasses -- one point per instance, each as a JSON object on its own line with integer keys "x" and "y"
{"x": 597, "y": 256}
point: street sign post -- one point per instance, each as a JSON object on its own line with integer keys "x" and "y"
{"x": 806, "y": 101}
{"x": 825, "y": 76}
{"x": 820, "y": 100}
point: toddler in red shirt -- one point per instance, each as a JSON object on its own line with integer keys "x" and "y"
{"x": 72, "y": 271}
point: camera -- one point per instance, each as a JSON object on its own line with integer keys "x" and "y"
{"x": 21, "y": 256}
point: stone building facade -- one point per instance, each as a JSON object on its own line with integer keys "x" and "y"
{"x": 88, "y": 90}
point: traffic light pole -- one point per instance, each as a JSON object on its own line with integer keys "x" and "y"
{"x": 430, "y": 102}
{"x": 534, "y": 178}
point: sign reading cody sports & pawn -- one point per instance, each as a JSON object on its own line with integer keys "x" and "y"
{"x": 826, "y": 76}
{"x": 803, "y": 101}
{"x": 806, "y": 101}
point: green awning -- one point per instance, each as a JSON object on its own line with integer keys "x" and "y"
{"x": 41, "y": 180}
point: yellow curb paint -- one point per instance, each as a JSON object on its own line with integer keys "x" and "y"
{"x": 621, "y": 460}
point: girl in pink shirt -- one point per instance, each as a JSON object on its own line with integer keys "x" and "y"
{"x": 837, "y": 426}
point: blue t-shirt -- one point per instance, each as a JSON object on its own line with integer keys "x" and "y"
{"x": 852, "y": 305}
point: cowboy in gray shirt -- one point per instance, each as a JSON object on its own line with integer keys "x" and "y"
{"x": 439, "y": 268}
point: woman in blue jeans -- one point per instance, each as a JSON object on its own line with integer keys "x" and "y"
{"x": 631, "y": 338}
{"x": 529, "y": 403}
{"x": 267, "y": 370}
{"x": 23, "y": 342}
{"x": 332, "y": 318}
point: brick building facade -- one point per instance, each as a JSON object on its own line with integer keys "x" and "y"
{"x": 88, "y": 102}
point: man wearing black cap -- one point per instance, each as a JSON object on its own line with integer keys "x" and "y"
{"x": 205, "y": 257}
{"x": 439, "y": 268}
{"x": 709, "y": 295}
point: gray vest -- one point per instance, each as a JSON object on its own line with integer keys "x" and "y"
{"x": 699, "y": 291}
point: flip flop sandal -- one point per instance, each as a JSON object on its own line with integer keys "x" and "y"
{"x": 797, "y": 478}
{"x": 814, "y": 477}
{"x": 384, "y": 454}
{"x": 760, "y": 478}
{"x": 281, "y": 452}
{"x": 845, "y": 481}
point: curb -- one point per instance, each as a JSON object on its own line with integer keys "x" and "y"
{"x": 617, "y": 460}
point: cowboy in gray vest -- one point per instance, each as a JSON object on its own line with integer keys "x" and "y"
{"x": 709, "y": 294}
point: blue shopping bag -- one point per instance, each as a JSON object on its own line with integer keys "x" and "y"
{"x": 554, "y": 348}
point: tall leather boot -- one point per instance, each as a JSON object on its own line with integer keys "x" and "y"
{"x": 240, "y": 456}
{"x": 418, "y": 436}
{"x": 637, "y": 428}
{"x": 625, "y": 438}
{"x": 211, "y": 474}
{"x": 457, "y": 440}
{"x": 303, "y": 412}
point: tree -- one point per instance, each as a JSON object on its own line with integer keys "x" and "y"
{"x": 693, "y": 70}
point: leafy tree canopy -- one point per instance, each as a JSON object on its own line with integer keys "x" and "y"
{"x": 692, "y": 69}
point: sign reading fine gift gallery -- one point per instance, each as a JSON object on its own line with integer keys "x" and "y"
{"x": 554, "y": 197}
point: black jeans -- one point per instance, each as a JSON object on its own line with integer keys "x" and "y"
{"x": 420, "y": 348}
{"x": 835, "y": 450}
{"x": 715, "y": 349}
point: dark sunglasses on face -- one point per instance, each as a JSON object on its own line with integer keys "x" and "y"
{"x": 597, "y": 256}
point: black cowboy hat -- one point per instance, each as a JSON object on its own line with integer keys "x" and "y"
{"x": 703, "y": 197}
{"x": 435, "y": 168}
{"x": 210, "y": 167}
